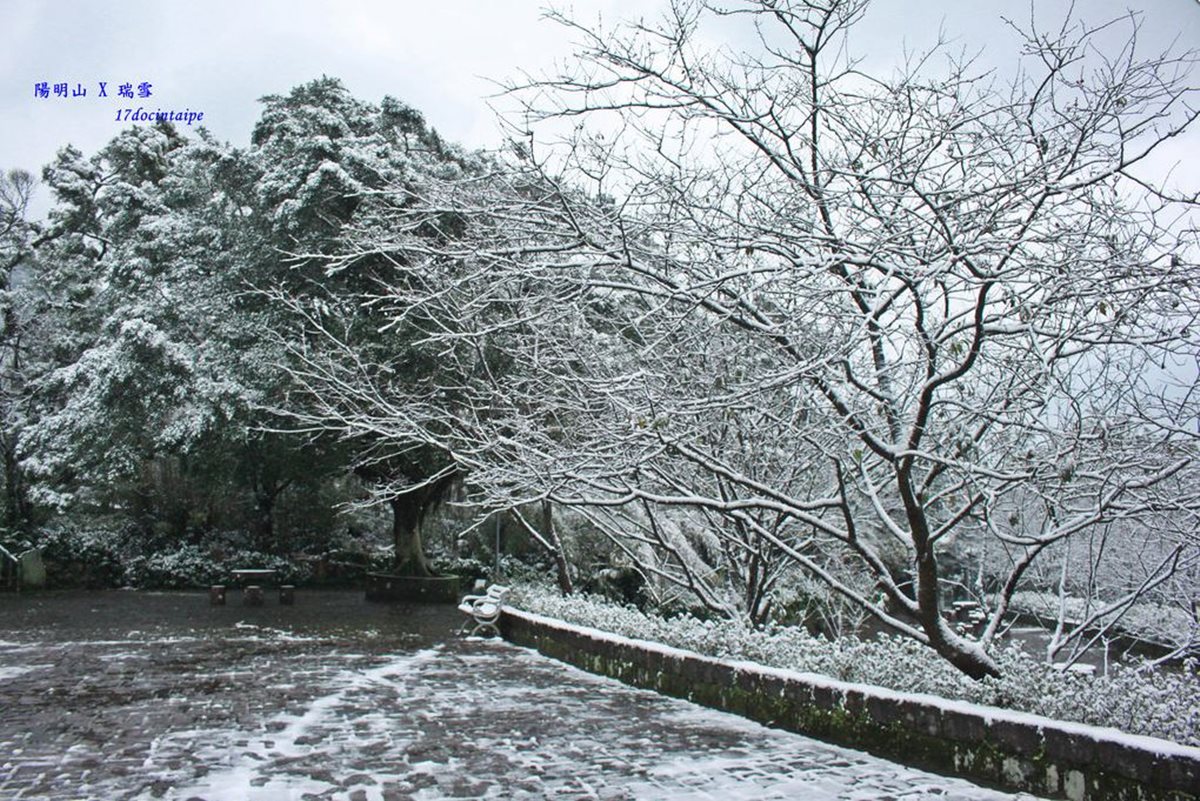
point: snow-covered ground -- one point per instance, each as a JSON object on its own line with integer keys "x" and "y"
{"x": 265, "y": 713}
{"x": 492, "y": 721}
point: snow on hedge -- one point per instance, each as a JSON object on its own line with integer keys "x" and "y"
{"x": 1153, "y": 702}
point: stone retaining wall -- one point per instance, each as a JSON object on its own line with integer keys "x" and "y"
{"x": 1008, "y": 749}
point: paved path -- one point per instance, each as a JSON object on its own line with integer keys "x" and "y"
{"x": 333, "y": 700}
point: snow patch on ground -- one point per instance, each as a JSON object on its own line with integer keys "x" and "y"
{"x": 246, "y": 763}
{"x": 142, "y": 637}
{"x": 7, "y": 673}
{"x": 273, "y": 634}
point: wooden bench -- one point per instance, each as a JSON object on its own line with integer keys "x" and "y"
{"x": 483, "y": 610}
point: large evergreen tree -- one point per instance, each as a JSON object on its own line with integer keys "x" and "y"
{"x": 149, "y": 379}
{"x": 167, "y": 347}
{"x": 17, "y": 236}
{"x": 332, "y": 167}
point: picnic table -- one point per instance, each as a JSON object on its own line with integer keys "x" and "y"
{"x": 251, "y": 581}
{"x": 244, "y": 575}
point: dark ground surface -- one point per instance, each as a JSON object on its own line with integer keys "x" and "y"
{"x": 124, "y": 695}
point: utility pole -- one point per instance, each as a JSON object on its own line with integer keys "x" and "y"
{"x": 496, "y": 569}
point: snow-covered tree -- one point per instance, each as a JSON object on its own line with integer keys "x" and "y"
{"x": 861, "y": 319}
{"x": 961, "y": 296}
{"x": 327, "y": 161}
{"x": 17, "y": 237}
{"x": 155, "y": 365}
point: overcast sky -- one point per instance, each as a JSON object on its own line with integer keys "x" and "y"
{"x": 220, "y": 56}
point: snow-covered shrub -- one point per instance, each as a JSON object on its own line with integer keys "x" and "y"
{"x": 82, "y": 557}
{"x": 197, "y": 566}
{"x": 464, "y": 567}
{"x": 183, "y": 567}
{"x": 1159, "y": 703}
{"x": 102, "y": 556}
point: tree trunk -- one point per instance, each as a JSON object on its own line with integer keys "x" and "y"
{"x": 967, "y": 656}
{"x": 406, "y": 533}
{"x": 16, "y": 501}
{"x": 560, "y": 557}
{"x": 264, "y": 517}
{"x": 963, "y": 654}
{"x": 267, "y": 488}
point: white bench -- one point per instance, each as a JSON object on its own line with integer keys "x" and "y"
{"x": 484, "y": 610}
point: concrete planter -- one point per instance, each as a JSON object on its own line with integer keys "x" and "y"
{"x": 386, "y": 587}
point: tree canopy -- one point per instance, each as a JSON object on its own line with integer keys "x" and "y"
{"x": 767, "y": 324}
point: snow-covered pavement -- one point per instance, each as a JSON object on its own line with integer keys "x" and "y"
{"x": 264, "y": 711}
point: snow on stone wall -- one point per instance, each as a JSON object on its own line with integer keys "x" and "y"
{"x": 1011, "y": 749}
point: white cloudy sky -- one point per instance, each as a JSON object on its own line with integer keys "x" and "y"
{"x": 220, "y": 56}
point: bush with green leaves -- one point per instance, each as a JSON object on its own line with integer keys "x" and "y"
{"x": 83, "y": 556}
{"x": 99, "y": 557}
{"x": 193, "y": 566}
{"x": 1133, "y": 698}
{"x": 467, "y": 568}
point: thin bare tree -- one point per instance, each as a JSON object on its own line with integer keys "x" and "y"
{"x": 842, "y": 321}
